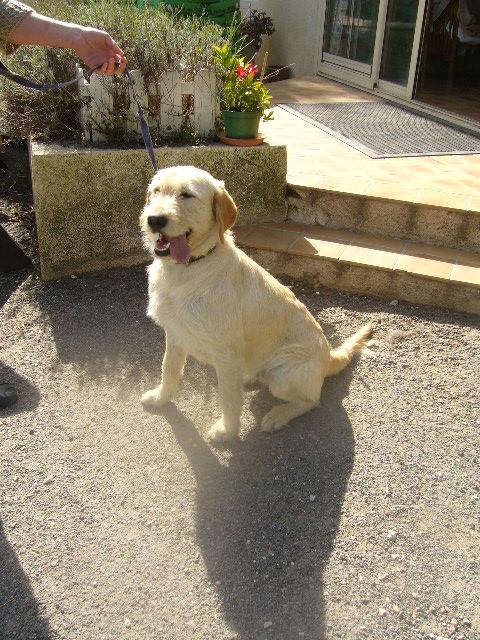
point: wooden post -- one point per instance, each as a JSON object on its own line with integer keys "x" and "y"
{"x": 264, "y": 66}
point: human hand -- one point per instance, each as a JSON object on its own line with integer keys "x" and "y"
{"x": 96, "y": 47}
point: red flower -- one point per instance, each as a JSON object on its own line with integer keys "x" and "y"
{"x": 241, "y": 72}
{"x": 252, "y": 69}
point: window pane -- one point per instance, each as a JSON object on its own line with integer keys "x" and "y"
{"x": 398, "y": 41}
{"x": 350, "y": 29}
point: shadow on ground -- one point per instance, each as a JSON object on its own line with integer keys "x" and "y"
{"x": 19, "y": 612}
{"x": 28, "y": 394}
{"x": 267, "y": 522}
{"x": 99, "y": 322}
{"x": 10, "y": 282}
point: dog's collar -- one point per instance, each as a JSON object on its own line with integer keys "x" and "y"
{"x": 201, "y": 257}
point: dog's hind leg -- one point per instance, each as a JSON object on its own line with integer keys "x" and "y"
{"x": 230, "y": 375}
{"x": 172, "y": 371}
{"x": 280, "y": 416}
{"x": 299, "y": 385}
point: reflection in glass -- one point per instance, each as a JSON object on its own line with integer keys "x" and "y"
{"x": 350, "y": 29}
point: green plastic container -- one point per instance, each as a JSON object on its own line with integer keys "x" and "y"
{"x": 221, "y": 13}
{"x": 241, "y": 125}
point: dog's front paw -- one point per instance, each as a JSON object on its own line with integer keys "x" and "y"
{"x": 154, "y": 398}
{"x": 220, "y": 433}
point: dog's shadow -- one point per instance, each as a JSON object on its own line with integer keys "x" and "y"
{"x": 266, "y": 523}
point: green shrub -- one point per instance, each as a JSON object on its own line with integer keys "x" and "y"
{"x": 154, "y": 41}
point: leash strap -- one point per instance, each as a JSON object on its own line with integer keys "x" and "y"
{"x": 143, "y": 125}
{"x": 24, "y": 82}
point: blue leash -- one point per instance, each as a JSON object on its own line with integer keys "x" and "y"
{"x": 24, "y": 82}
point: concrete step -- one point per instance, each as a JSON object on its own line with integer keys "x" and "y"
{"x": 430, "y": 220}
{"x": 371, "y": 264}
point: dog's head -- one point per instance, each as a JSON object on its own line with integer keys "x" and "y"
{"x": 186, "y": 213}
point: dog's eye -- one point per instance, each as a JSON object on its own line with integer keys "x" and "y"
{"x": 185, "y": 194}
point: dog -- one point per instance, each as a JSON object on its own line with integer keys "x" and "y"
{"x": 218, "y": 305}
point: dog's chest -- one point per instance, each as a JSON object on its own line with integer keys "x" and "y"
{"x": 185, "y": 320}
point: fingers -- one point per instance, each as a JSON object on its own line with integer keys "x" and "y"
{"x": 113, "y": 67}
{"x": 122, "y": 66}
{"x": 109, "y": 71}
{"x": 101, "y": 70}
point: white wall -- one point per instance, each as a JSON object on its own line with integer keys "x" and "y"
{"x": 296, "y": 36}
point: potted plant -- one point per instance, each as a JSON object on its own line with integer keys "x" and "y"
{"x": 253, "y": 26}
{"x": 243, "y": 99}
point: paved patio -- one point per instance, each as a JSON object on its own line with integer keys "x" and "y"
{"x": 317, "y": 159}
{"x": 404, "y": 227}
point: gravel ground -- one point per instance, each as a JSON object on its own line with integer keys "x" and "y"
{"x": 360, "y": 520}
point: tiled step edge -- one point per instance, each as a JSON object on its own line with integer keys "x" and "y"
{"x": 438, "y": 225}
{"x": 370, "y": 264}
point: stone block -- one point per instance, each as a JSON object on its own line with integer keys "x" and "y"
{"x": 87, "y": 200}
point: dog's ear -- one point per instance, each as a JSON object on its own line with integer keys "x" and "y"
{"x": 224, "y": 210}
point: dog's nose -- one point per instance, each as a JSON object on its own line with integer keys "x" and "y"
{"x": 156, "y": 223}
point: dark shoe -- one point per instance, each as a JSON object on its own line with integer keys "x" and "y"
{"x": 8, "y": 395}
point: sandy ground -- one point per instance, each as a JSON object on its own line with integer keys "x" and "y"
{"x": 360, "y": 520}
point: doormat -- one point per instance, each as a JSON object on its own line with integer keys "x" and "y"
{"x": 383, "y": 130}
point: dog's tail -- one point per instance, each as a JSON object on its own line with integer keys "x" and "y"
{"x": 342, "y": 356}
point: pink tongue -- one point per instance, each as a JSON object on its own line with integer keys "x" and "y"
{"x": 179, "y": 249}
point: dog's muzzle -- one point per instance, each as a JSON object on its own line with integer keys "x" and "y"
{"x": 157, "y": 223}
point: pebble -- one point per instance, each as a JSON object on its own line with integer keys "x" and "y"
{"x": 127, "y": 623}
{"x": 48, "y": 480}
{"x": 267, "y": 625}
{"x": 382, "y": 612}
{"x": 392, "y": 535}
{"x": 312, "y": 498}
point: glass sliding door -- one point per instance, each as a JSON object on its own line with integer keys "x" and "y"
{"x": 350, "y": 33}
{"x": 372, "y": 43}
{"x": 398, "y": 42}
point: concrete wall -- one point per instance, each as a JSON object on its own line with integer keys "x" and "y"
{"x": 88, "y": 200}
{"x": 296, "y": 36}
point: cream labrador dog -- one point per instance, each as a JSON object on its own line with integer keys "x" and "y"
{"x": 221, "y": 307}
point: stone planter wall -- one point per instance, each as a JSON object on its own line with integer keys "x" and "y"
{"x": 87, "y": 201}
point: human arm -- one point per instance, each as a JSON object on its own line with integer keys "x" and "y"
{"x": 92, "y": 46}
